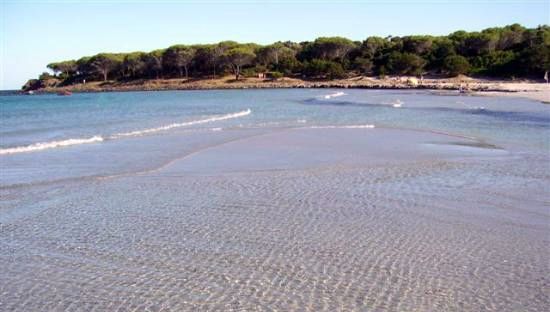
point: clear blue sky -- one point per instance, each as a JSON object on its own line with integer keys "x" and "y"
{"x": 34, "y": 33}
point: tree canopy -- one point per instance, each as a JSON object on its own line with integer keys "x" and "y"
{"x": 239, "y": 56}
{"x": 179, "y": 57}
{"x": 456, "y": 65}
{"x": 510, "y": 51}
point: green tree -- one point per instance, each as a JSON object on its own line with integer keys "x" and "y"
{"x": 66, "y": 67}
{"x": 329, "y": 48}
{"x": 238, "y": 57}
{"x": 153, "y": 63}
{"x": 288, "y": 63}
{"x": 179, "y": 57}
{"x": 54, "y": 67}
{"x": 318, "y": 68}
{"x": 536, "y": 60}
{"x": 475, "y": 43}
{"x": 104, "y": 63}
{"x": 510, "y": 36}
{"x": 501, "y": 63}
{"x": 205, "y": 59}
{"x": 373, "y": 47}
{"x": 418, "y": 45}
{"x": 133, "y": 64}
{"x": 84, "y": 66}
{"x": 270, "y": 54}
{"x": 210, "y": 57}
{"x": 498, "y": 51}
{"x": 455, "y": 65}
{"x": 45, "y": 76}
{"x": 364, "y": 65}
{"x": 405, "y": 63}
{"x": 442, "y": 48}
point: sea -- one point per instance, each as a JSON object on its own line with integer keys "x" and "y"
{"x": 274, "y": 199}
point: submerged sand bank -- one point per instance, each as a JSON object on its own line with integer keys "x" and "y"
{"x": 310, "y": 219}
{"x": 317, "y": 147}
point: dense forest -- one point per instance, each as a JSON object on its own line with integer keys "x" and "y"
{"x": 507, "y": 52}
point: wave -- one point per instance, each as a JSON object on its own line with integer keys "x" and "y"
{"x": 396, "y": 103}
{"x": 48, "y": 145}
{"x": 63, "y": 143}
{"x": 182, "y": 124}
{"x": 470, "y": 107}
{"x": 342, "y": 127}
{"x": 332, "y": 95}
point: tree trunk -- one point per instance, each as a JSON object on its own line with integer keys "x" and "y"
{"x": 181, "y": 72}
{"x": 105, "y": 75}
{"x": 186, "y": 72}
{"x": 237, "y": 72}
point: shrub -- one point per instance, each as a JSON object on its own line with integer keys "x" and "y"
{"x": 275, "y": 75}
{"x": 335, "y": 70}
{"x": 249, "y": 72}
{"x": 322, "y": 68}
{"x": 45, "y": 76}
{"x": 288, "y": 64}
{"x": 455, "y": 65}
{"x": 364, "y": 65}
{"x": 405, "y": 63}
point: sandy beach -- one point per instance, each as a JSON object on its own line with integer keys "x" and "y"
{"x": 533, "y": 90}
{"x": 541, "y": 93}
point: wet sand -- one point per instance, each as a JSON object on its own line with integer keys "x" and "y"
{"x": 541, "y": 96}
{"x": 323, "y": 219}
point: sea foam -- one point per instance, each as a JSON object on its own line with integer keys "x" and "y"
{"x": 343, "y": 127}
{"x": 182, "y": 124}
{"x": 52, "y": 144}
{"x": 63, "y": 143}
{"x": 396, "y": 103}
{"x": 332, "y": 95}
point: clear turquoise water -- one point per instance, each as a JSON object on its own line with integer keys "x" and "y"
{"x": 262, "y": 200}
{"x": 88, "y": 118}
{"x": 42, "y": 118}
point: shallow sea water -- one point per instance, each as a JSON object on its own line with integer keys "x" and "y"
{"x": 343, "y": 203}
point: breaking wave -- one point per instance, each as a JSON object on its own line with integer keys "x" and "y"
{"x": 46, "y": 145}
{"x": 343, "y": 127}
{"x": 182, "y": 124}
{"x": 333, "y": 95}
{"x": 396, "y": 103}
{"x": 95, "y": 139}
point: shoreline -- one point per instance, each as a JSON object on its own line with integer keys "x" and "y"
{"x": 207, "y": 207}
{"x": 469, "y": 86}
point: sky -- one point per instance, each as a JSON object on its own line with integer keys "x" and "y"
{"x": 35, "y": 33}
